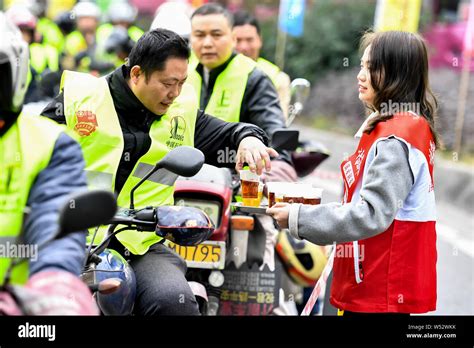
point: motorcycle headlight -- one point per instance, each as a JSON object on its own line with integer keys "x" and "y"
{"x": 183, "y": 225}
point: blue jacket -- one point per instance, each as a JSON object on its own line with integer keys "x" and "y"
{"x": 63, "y": 176}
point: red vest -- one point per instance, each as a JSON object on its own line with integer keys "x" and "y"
{"x": 397, "y": 272}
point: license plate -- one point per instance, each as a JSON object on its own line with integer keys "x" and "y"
{"x": 209, "y": 254}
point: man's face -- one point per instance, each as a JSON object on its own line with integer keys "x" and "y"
{"x": 88, "y": 27}
{"x": 247, "y": 41}
{"x": 211, "y": 39}
{"x": 162, "y": 88}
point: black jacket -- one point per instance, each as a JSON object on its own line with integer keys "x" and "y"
{"x": 260, "y": 104}
{"x": 211, "y": 134}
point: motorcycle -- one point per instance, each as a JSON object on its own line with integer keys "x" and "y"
{"x": 242, "y": 274}
{"x": 107, "y": 272}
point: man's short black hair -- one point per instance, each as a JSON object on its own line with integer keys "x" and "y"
{"x": 213, "y": 8}
{"x": 242, "y": 18}
{"x": 154, "y": 48}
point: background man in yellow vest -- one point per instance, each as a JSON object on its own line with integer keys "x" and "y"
{"x": 40, "y": 166}
{"x": 87, "y": 16}
{"x": 119, "y": 34}
{"x": 130, "y": 119}
{"x": 248, "y": 41}
{"x": 81, "y": 45}
{"x": 121, "y": 14}
{"x": 230, "y": 86}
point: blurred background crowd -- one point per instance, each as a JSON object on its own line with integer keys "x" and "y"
{"x": 96, "y": 37}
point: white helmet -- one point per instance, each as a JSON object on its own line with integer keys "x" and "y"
{"x": 22, "y": 17}
{"x": 14, "y": 67}
{"x": 174, "y": 16}
{"x": 86, "y": 9}
{"x": 122, "y": 12}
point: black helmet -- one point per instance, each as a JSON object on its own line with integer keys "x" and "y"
{"x": 65, "y": 21}
{"x": 119, "y": 41}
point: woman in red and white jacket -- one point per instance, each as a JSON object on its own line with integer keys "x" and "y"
{"x": 385, "y": 257}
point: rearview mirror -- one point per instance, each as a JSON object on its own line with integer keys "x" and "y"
{"x": 85, "y": 210}
{"x": 184, "y": 161}
{"x": 300, "y": 89}
{"x": 285, "y": 139}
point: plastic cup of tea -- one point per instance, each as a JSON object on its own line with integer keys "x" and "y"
{"x": 273, "y": 188}
{"x": 313, "y": 196}
{"x": 294, "y": 193}
{"x": 249, "y": 183}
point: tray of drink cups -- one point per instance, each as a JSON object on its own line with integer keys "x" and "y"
{"x": 293, "y": 193}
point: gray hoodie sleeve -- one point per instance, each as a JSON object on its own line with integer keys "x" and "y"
{"x": 388, "y": 182}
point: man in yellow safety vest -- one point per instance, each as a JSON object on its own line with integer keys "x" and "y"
{"x": 40, "y": 166}
{"x": 231, "y": 86}
{"x": 129, "y": 120}
{"x": 248, "y": 41}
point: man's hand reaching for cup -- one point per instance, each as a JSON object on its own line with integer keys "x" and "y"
{"x": 253, "y": 152}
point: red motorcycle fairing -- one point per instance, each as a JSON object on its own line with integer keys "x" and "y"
{"x": 211, "y": 184}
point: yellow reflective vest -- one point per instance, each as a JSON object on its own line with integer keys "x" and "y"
{"x": 25, "y": 150}
{"x": 104, "y": 31}
{"x": 226, "y": 99}
{"x": 270, "y": 69}
{"x": 42, "y": 57}
{"x": 51, "y": 33}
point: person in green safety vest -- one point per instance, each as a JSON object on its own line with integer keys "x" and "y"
{"x": 248, "y": 41}
{"x": 47, "y": 29}
{"x": 81, "y": 46}
{"x": 40, "y": 166}
{"x": 66, "y": 23}
{"x": 44, "y": 58}
{"x": 87, "y": 16}
{"x": 121, "y": 16}
{"x": 128, "y": 121}
{"x": 229, "y": 85}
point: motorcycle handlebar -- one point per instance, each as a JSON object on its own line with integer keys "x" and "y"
{"x": 142, "y": 220}
{"x": 145, "y": 219}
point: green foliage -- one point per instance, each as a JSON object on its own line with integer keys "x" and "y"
{"x": 330, "y": 40}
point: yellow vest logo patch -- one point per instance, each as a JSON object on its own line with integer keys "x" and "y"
{"x": 86, "y": 123}
{"x": 224, "y": 100}
{"x": 177, "y": 130}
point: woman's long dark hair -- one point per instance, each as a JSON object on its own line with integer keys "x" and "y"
{"x": 398, "y": 65}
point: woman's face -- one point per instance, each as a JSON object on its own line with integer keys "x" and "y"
{"x": 366, "y": 91}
